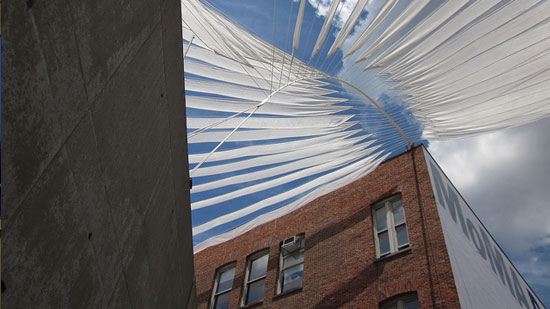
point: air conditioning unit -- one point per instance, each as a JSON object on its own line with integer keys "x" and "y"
{"x": 291, "y": 244}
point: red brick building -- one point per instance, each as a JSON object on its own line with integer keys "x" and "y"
{"x": 377, "y": 242}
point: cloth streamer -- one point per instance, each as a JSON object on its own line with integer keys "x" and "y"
{"x": 269, "y": 131}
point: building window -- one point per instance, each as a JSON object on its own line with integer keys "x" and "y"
{"x": 405, "y": 301}
{"x": 390, "y": 227}
{"x": 255, "y": 278}
{"x": 291, "y": 264}
{"x": 222, "y": 287}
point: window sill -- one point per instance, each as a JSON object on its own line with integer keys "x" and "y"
{"x": 253, "y": 305}
{"x": 287, "y": 293}
{"x": 389, "y": 256}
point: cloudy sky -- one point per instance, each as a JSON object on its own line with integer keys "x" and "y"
{"x": 504, "y": 176}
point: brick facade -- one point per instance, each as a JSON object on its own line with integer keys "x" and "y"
{"x": 340, "y": 265}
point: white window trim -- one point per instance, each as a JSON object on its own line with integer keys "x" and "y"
{"x": 247, "y": 282}
{"x": 281, "y": 260}
{"x": 390, "y": 226}
{"x": 215, "y": 291}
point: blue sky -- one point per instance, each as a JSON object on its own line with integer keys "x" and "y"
{"x": 504, "y": 176}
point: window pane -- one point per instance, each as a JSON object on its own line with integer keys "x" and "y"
{"x": 258, "y": 267}
{"x": 402, "y": 235}
{"x": 381, "y": 219}
{"x": 225, "y": 282}
{"x": 398, "y": 215}
{"x": 407, "y": 301}
{"x": 293, "y": 259}
{"x": 222, "y": 301}
{"x": 292, "y": 277}
{"x": 255, "y": 292}
{"x": 412, "y": 305}
{"x": 384, "y": 242}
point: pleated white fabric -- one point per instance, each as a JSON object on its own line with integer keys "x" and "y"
{"x": 326, "y": 27}
{"x": 282, "y": 119}
{"x": 327, "y": 178}
{"x": 394, "y": 28}
{"x": 381, "y": 15}
{"x": 298, "y": 27}
{"x": 263, "y": 120}
{"x": 273, "y": 148}
{"x": 466, "y": 58}
{"x": 348, "y": 26}
{"x": 363, "y": 170}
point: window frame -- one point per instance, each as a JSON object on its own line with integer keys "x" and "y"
{"x": 399, "y": 301}
{"x": 215, "y": 292}
{"x": 280, "y": 279}
{"x": 247, "y": 282}
{"x": 391, "y": 227}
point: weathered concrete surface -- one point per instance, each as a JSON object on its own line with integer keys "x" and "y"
{"x": 94, "y": 163}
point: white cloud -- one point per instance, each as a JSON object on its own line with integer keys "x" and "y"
{"x": 324, "y": 6}
{"x": 505, "y": 177}
{"x": 467, "y": 160}
{"x": 545, "y": 241}
{"x": 346, "y": 7}
{"x": 345, "y": 12}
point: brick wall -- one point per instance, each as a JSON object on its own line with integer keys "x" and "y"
{"x": 340, "y": 268}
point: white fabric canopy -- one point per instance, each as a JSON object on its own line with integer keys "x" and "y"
{"x": 261, "y": 119}
{"x": 326, "y": 27}
{"x": 348, "y": 26}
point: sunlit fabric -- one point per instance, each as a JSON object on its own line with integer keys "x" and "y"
{"x": 273, "y": 126}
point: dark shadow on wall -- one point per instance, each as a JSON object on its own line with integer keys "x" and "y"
{"x": 347, "y": 291}
{"x": 341, "y": 225}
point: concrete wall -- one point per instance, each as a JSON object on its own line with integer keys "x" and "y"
{"x": 340, "y": 266}
{"x": 94, "y": 156}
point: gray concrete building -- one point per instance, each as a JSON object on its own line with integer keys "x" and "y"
{"x": 95, "y": 208}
